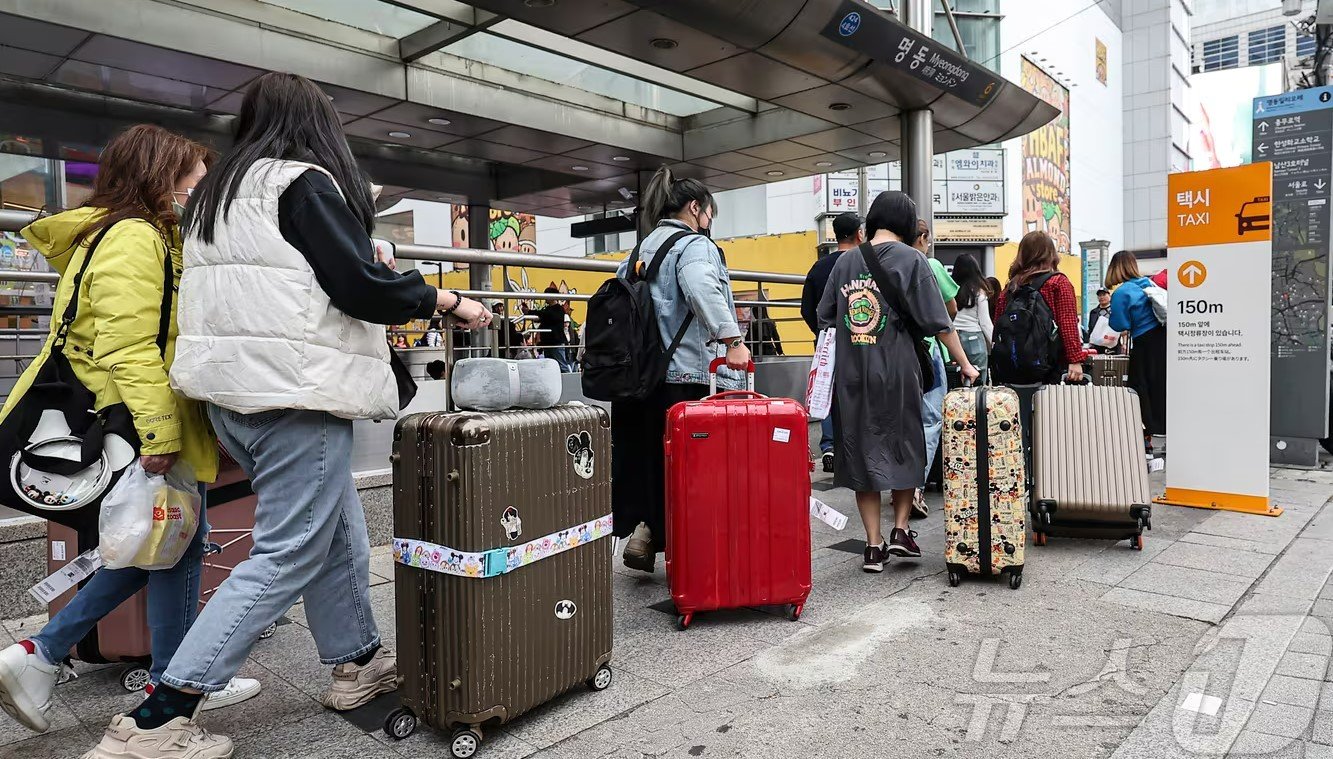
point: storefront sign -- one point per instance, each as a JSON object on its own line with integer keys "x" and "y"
{"x": 1218, "y": 338}
{"x": 964, "y": 181}
{"x": 964, "y": 229}
{"x": 1293, "y": 132}
{"x": 975, "y": 197}
{"x": 1046, "y": 190}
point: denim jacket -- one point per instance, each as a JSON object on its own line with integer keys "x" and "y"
{"x": 695, "y": 279}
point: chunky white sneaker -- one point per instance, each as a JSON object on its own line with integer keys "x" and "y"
{"x": 181, "y": 738}
{"x": 355, "y": 686}
{"x": 26, "y": 683}
{"x": 238, "y": 689}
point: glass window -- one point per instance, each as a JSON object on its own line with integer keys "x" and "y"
{"x": 1267, "y": 45}
{"x": 981, "y": 36}
{"x": 1305, "y": 45}
{"x": 1221, "y": 54}
{"x": 370, "y": 15}
{"x": 525, "y": 59}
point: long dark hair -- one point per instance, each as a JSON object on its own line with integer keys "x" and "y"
{"x": 1036, "y": 254}
{"x": 287, "y": 117}
{"x": 967, "y": 273}
{"x": 137, "y": 175}
{"x": 896, "y": 212}
{"x": 666, "y": 196}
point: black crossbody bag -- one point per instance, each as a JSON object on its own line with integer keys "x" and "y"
{"x": 895, "y": 302}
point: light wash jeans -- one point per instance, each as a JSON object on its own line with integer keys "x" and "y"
{"x": 173, "y": 601}
{"x": 974, "y": 345}
{"x": 932, "y": 411}
{"x": 310, "y": 541}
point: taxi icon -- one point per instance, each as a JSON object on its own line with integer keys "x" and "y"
{"x": 1254, "y": 215}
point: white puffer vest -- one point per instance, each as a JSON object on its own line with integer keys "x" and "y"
{"x": 258, "y": 333}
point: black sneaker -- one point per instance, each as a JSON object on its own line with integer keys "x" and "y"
{"x": 828, "y": 462}
{"x": 875, "y": 556}
{"x": 902, "y": 543}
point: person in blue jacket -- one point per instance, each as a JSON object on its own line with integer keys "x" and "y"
{"x": 1132, "y": 313}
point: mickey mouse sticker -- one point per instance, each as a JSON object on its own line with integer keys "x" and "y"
{"x": 580, "y": 448}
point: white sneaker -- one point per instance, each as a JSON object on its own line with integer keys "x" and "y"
{"x": 355, "y": 686}
{"x": 181, "y": 738}
{"x": 26, "y": 683}
{"x": 238, "y": 689}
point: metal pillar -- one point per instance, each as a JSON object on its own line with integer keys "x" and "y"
{"x": 479, "y": 275}
{"x": 918, "y": 129}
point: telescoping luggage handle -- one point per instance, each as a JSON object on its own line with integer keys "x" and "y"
{"x": 748, "y": 392}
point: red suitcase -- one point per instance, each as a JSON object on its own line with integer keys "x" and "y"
{"x": 738, "y": 502}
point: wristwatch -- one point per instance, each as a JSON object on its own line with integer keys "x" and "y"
{"x": 735, "y": 342}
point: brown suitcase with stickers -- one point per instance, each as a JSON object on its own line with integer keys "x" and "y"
{"x": 502, "y": 549}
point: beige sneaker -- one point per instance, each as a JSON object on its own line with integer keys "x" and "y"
{"x": 355, "y": 686}
{"x": 639, "y": 552}
{"x": 181, "y": 738}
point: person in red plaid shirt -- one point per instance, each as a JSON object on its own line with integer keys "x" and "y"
{"x": 1037, "y": 256}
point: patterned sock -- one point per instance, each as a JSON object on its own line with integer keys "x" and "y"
{"x": 365, "y": 658}
{"x": 165, "y": 704}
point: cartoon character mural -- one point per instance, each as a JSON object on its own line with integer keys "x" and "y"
{"x": 1046, "y": 162}
{"x": 507, "y": 230}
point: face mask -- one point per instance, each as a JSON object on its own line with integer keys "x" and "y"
{"x": 706, "y": 232}
{"x": 179, "y": 209}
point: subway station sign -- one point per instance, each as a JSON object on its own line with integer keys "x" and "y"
{"x": 968, "y": 182}
{"x": 1294, "y": 131}
{"x": 1219, "y": 241}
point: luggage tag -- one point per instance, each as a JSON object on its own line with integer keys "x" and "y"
{"x": 826, "y": 514}
{"x": 66, "y": 577}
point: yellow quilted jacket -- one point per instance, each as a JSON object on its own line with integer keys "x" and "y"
{"x": 112, "y": 344}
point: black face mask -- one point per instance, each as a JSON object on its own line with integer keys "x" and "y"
{"x": 706, "y": 232}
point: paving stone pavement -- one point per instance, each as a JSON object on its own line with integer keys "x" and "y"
{"x": 1213, "y": 640}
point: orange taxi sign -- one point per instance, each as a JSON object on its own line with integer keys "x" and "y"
{"x": 1219, "y": 206}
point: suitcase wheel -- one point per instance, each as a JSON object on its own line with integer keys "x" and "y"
{"x": 1015, "y": 580}
{"x": 683, "y": 621}
{"x": 794, "y": 611}
{"x": 269, "y": 631}
{"x": 955, "y": 579}
{"x": 1038, "y": 538}
{"x": 135, "y": 678}
{"x": 400, "y": 723}
{"x": 601, "y": 680}
{"x": 1136, "y": 542}
{"x": 465, "y": 743}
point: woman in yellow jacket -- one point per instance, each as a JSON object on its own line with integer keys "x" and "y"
{"x": 145, "y": 176}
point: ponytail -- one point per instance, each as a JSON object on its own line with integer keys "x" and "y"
{"x": 665, "y": 196}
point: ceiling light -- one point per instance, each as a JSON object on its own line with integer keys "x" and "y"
{"x": 539, "y": 3}
{"x": 620, "y": 158}
{"x": 585, "y": 209}
{"x": 877, "y": 154}
{"x": 774, "y": 173}
{"x": 399, "y": 135}
{"x": 822, "y": 164}
{"x": 840, "y": 106}
{"x": 664, "y": 43}
{"x": 439, "y": 122}
{"x": 577, "y": 167}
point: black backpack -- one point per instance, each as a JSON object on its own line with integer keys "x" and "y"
{"x": 623, "y": 356}
{"x": 1027, "y": 339}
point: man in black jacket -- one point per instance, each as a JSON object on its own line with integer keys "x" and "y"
{"x": 849, "y": 232}
{"x": 1101, "y": 311}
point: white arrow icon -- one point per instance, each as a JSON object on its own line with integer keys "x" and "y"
{"x": 1321, "y": 184}
{"x": 1263, "y": 127}
{"x": 1192, "y": 273}
{"x": 1263, "y": 148}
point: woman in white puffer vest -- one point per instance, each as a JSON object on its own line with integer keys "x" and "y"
{"x": 281, "y": 313}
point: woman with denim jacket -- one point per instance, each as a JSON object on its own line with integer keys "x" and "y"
{"x": 693, "y": 280}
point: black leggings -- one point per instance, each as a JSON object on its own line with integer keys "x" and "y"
{"x": 638, "y": 459}
{"x": 1147, "y": 377}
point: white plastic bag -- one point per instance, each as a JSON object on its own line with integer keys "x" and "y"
{"x": 148, "y": 520}
{"x": 1102, "y": 335}
{"x": 819, "y": 389}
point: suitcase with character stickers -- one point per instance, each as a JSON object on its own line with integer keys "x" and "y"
{"x": 985, "y": 484}
{"x": 503, "y": 577}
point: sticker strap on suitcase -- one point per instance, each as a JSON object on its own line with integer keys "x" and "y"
{"x": 433, "y": 557}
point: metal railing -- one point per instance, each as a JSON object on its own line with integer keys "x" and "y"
{"x": 13, "y": 221}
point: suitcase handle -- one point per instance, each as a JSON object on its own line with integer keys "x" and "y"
{"x": 734, "y": 394}
{"x": 718, "y": 363}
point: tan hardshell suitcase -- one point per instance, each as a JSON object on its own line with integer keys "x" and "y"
{"x": 502, "y": 559}
{"x": 1091, "y": 475}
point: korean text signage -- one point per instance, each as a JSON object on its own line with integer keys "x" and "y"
{"x": 1219, "y": 245}
{"x": 1293, "y": 131}
{"x": 894, "y": 45}
{"x": 965, "y": 182}
{"x": 1046, "y": 162}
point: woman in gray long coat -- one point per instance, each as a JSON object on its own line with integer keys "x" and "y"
{"x": 877, "y": 378}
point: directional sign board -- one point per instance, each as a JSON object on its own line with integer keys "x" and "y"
{"x": 1218, "y": 336}
{"x": 1294, "y": 131}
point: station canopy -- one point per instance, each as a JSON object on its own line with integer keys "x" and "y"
{"x": 552, "y": 107}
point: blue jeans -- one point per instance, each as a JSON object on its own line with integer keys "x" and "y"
{"x": 826, "y": 438}
{"x": 173, "y": 601}
{"x": 561, "y": 357}
{"x": 932, "y": 411}
{"x": 310, "y": 541}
